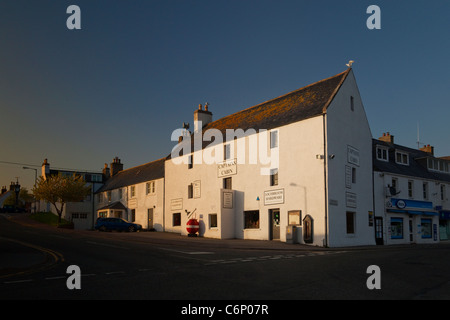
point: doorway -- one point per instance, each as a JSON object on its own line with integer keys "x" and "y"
{"x": 274, "y": 218}
{"x": 379, "y": 230}
{"x": 150, "y": 218}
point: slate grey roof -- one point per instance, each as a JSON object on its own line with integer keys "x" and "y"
{"x": 301, "y": 104}
{"x": 417, "y": 162}
{"x": 145, "y": 172}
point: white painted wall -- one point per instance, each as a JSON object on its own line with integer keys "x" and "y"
{"x": 349, "y": 128}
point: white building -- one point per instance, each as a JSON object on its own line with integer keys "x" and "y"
{"x": 411, "y": 193}
{"x": 82, "y": 213}
{"x": 135, "y": 194}
{"x": 317, "y": 151}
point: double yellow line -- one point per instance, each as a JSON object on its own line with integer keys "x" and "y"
{"x": 56, "y": 256}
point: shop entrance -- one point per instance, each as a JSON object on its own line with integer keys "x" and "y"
{"x": 274, "y": 218}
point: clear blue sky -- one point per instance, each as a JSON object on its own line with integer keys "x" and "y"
{"x": 138, "y": 69}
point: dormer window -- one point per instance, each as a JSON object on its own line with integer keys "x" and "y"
{"x": 382, "y": 153}
{"x": 401, "y": 157}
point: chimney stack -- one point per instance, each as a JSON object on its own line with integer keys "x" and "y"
{"x": 116, "y": 166}
{"x": 201, "y": 117}
{"x": 45, "y": 168}
{"x": 387, "y": 137}
{"x": 428, "y": 149}
{"x": 106, "y": 173}
{"x": 4, "y": 190}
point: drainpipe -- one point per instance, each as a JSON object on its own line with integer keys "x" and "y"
{"x": 325, "y": 157}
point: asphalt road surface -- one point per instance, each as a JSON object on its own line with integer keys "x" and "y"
{"x": 34, "y": 261}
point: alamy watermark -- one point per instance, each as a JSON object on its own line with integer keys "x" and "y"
{"x": 262, "y": 147}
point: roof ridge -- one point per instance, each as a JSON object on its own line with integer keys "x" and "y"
{"x": 141, "y": 165}
{"x": 211, "y": 124}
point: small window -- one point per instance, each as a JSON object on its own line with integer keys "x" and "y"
{"x": 350, "y": 222}
{"x": 120, "y": 193}
{"x": 176, "y": 219}
{"x": 410, "y": 188}
{"x": 352, "y": 103}
{"x": 227, "y": 183}
{"x": 401, "y": 158}
{"x": 353, "y": 175}
{"x": 425, "y": 190}
{"x": 426, "y": 225}
{"x": 213, "y": 220}
{"x": 190, "y": 191}
{"x": 251, "y": 219}
{"x": 396, "y": 228}
{"x": 443, "y": 197}
{"x": 382, "y": 154}
{"x": 273, "y": 139}
{"x": 109, "y": 196}
{"x": 274, "y": 177}
{"x": 150, "y": 187}
{"x": 133, "y": 191}
{"x": 226, "y": 152}
{"x": 190, "y": 161}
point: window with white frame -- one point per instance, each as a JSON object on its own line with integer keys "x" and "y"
{"x": 410, "y": 188}
{"x": 273, "y": 139}
{"x": 401, "y": 157}
{"x": 226, "y": 152}
{"x": 212, "y": 220}
{"x": 133, "y": 191}
{"x": 150, "y": 187}
{"x": 382, "y": 153}
{"x": 425, "y": 190}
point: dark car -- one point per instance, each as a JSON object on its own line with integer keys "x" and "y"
{"x": 108, "y": 224}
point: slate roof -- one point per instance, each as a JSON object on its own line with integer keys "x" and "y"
{"x": 301, "y": 104}
{"x": 417, "y": 162}
{"x": 142, "y": 173}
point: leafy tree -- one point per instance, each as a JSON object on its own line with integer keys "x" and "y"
{"x": 60, "y": 189}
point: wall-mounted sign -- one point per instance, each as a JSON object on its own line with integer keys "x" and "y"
{"x": 350, "y": 199}
{"x": 227, "y": 168}
{"x": 274, "y": 196}
{"x": 176, "y": 204}
{"x": 227, "y": 200}
{"x": 197, "y": 189}
{"x": 353, "y": 155}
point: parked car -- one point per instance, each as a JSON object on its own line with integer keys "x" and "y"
{"x": 108, "y": 224}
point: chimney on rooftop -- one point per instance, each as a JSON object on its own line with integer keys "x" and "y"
{"x": 45, "y": 168}
{"x": 429, "y": 149}
{"x": 201, "y": 117}
{"x": 105, "y": 171}
{"x": 116, "y": 166}
{"x": 387, "y": 137}
{"x": 4, "y": 190}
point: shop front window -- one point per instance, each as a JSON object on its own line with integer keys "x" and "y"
{"x": 426, "y": 228}
{"x": 396, "y": 228}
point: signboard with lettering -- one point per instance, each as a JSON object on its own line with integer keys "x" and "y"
{"x": 176, "y": 204}
{"x": 196, "y": 189}
{"x": 227, "y": 168}
{"x": 227, "y": 200}
{"x": 353, "y": 155}
{"x": 350, "y": 199}
{"x": 274, "y": 196}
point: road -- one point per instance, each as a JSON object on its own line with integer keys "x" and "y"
{"x": 164, "y": 266}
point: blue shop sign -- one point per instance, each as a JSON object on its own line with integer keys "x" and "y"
{"x": 411, "y": 207}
